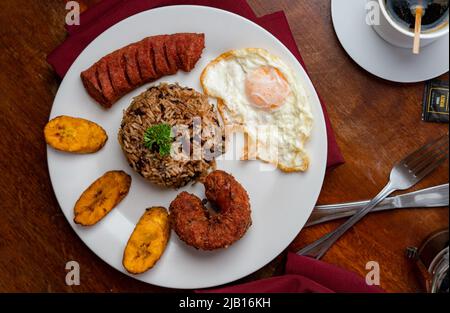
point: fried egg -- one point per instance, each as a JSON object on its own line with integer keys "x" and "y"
{"x": 257, "y": 92}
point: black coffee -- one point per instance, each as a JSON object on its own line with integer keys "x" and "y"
{"x": 435, "y": 12}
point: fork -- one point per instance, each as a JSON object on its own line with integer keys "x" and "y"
{"x": 404, "y": 175}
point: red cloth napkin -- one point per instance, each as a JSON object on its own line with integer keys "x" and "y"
{"x": 108, "y": 12}
{"x": 302, "y": 274}
{"x": 305, "y": 275}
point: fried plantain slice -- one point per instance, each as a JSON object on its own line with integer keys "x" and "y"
{"x": 75, "y": 135}
{"x": 101, "y": 197}
{"x": 148, "y": 241}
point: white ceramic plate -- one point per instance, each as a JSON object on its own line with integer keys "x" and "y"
{"x": 379, "y": 57}
{"x": 281, "y": 203}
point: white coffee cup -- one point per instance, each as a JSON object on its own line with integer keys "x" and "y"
{"x": 399, "y": 36}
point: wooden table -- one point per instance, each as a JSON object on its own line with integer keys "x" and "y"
{"x": 376, "y": 123}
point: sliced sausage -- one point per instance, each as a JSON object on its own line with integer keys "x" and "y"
{"x": 170, "y": 48}
{"x": 131, "y": 65}
{"x": 161, "y": 66}
{"x": 90, "y": 81}
{"x": 117, "y": 73}
{"x": 105, "y": 82}
{"x": 189, "y": 49}
{"x": 145, "y": 60}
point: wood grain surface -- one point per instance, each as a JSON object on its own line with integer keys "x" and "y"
{"x": 376, "y": 123}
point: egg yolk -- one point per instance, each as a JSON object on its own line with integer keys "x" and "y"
{"x": 266, "y": 88}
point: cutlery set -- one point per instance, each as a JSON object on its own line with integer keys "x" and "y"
{"x": 433, "y": 197}
{"x": 404, "y": 175}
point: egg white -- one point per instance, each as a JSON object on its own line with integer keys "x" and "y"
{"x": 279, "y": 136}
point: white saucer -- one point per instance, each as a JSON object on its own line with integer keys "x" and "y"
{"x": 377, "y": 56}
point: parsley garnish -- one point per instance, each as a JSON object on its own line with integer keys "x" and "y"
{"x": 159, "y": 137}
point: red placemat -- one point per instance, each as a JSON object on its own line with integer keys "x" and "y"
{"x": 302, "y": 274}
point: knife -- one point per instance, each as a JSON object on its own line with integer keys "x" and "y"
{"x": 433, "y": 197}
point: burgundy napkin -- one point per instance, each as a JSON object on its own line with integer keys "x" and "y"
{"x": 109, "y": 12}
{"x": 302, "y": 274}
{"x": 305, "y": 275}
